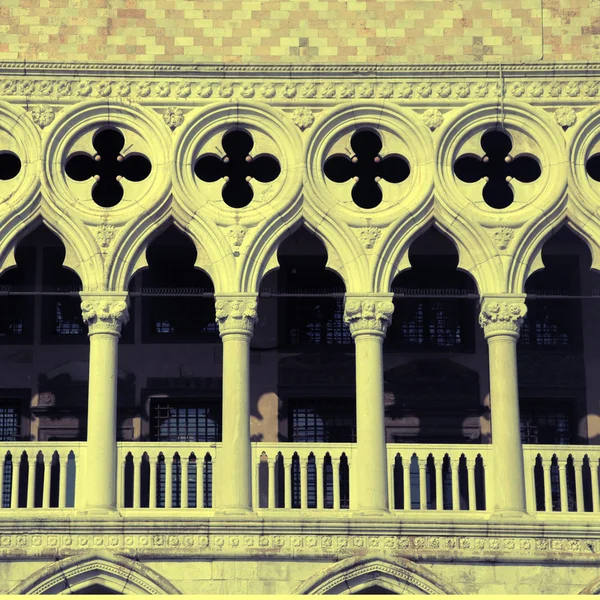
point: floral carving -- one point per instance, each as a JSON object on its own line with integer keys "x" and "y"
{"x": 572, "y": 89}
{"x": 303, "y": 117}
{"x": 502, "y": 317}
{"x": 289, "y": 90}
{"x": 518, "y": 89}
{"x": 63, "y": 88}
{"x": 405, "y": 90}
{"x": 565, "y": 116}
{"x": 267, "y": 90}
{"x": 46, "y": 88}
{"x": 226, "y": 90}
{"x": 236, "y": 315}
{"x": 247, "y": 90}
{"x": 536, "y": 89}
{"x": 124, "y": 89}
{"x": 42, "y": 115}
{"x": 444, "y": 90}
{"x": 104, "y": 88}
{"x": 480, "y": 89}
{"x": 502, "y": 236}
{"x": 309, "y": 90}
{"x": 555, "y": 90}
{"x": 369, "y": 236}
{"x": 424, "y": 90}
{"x": 163, "y": 89}
{"x": 591, "y": 89}
{"x": 347, "y": 90}
{"x": 84, "y": 88}
{"x": 104, "y": 316}
{"x": 366, "y": 90}
{"x": 173, "y": 117}
{"x": 205, "y": 90}
{"x": 463, "y": 90}
{"x": 144, "y": 89}
{"x": 328, "y": 90}
{"x": 386, "y": 90}
{"x": 368, "y": 316}
{"x": 183, "y": 90}
{"x": 27, "y": 87}
{"x": 8, "y": 88}
{"x": 432, "y": 118}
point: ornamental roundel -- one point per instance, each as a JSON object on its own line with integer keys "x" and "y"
{"x": 107, "y": 160}
{"x": 236, "y": 163}
{"x": 584, "y": 161}
{"x": 503, "y": 161}
{"x": 19, "y": 159}
{"x": 369, "y": 160}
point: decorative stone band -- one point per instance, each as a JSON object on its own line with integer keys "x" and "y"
{"x": 104, "y": 313}
{"x": 368, "y": 315}
{"x": 236, "y": 314}
{"x": 502, "y": 315}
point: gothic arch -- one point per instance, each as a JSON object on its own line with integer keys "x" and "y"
{"x": 99, "y": 568}
{"x": 592, "y": 589}
{"x": 352, "y": 575}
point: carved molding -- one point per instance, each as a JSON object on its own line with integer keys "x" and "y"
{"x": 502, "y": 316}
{"x": 104, "y": 314}
{"x": 236, "y": 314}
{"x": 368, "y": 315}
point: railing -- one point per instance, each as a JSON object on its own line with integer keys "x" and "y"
{"x": 42, "y": 474}
{"x": 302, "y": 475}
{"x": 165, "y": 475}
{"x": 562, "y": 478}
{"x": 439, "y": 476}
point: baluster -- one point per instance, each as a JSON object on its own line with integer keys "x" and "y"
{"x": 454, "y": 466}
{"x": 62, "y": 482}
{"x": 256, "y": 487}
{"x": 200, "y": 483}
{"x": 137, "y": 481}
{"x": 122, "y": 461}
{"x": 471, "y": 482}
{"x": 547, "y": 472}
{"x": 320, "y": 486}
{"x": 422, "y": 483}
{"x": 169, "y": 460}
{"x": 271, "y": 499}
{"x": 530, "y": 489}
{"x": 406, "y": 482}
{"x": 31, "y": 482}
{"x": 79, "y": 481}
{"x": 391, "y": 483}
{"x": 562, "y": 475}
{"x": 2, "y": 481}
{"x": 16, "y": 481}
{"x": 153, "y": 480}
{"x": 335, "y": 468}
{"x": 578, "y": 464}
{"x": 439, "y": 483}
{"x": 184, "y": 463}
{"x": 46, "y": 490}
{"x": 595, "y": 485}
{"x": 304, "y": 482}
{"x": 287, "y": 483}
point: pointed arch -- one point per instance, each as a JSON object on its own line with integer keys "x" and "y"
{"x": 353, "y": 575}
{"x": 98, "y": 568}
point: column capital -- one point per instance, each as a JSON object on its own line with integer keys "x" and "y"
{"x": 368, "y": 313}
{"x": 502, "y": 314}
{"x": 236, "y": 313}
{"x": 104, "y": 312}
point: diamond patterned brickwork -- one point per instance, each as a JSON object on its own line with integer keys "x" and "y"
{"x": 324, "y": 31}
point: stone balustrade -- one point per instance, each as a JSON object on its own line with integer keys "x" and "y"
{"x": 422, "y": 478}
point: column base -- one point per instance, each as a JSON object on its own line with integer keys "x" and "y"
{"x": 99, "y": 512}
{"x": 371, "y": 512}
{"x": 510, "y": 515}
{"x": 232, "y": 511}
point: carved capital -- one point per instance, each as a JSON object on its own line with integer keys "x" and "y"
{"x": 368, "y": 314}
{"x": 502, "y": 315}
{"x": 104, "y": 313}
{"x": 236, "y": 313}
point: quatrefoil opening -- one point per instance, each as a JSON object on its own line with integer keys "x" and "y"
{"x": 367, "y": 167}
{"x": 497, "y": 167}
{"x": 108, "y": 167}
{"x": 10, "y": 165}
{"x": 238, "y": 167}
{"x": 593, "y": 167}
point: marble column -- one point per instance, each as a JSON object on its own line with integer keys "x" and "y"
{"x": 105, "y": 314}
{"x": 501, "y": 318}
{"x": 236, "y": 316}
{"x": 368, "y": 317}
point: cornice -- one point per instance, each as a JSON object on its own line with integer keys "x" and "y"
{"x": 202, "y": 70}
